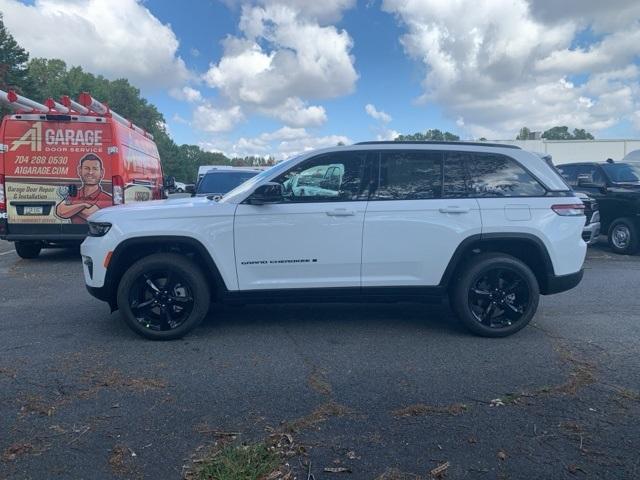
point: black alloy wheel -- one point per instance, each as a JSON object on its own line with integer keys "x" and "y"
{"x": 161, "y": 300}
{"x": 163, "y": 296}
{"x": 494, "y": 294}
{"x": 499, "y": 297}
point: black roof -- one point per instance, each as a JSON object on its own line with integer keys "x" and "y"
{"x": 430, "y": 142}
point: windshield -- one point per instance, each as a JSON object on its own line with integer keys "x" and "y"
{"x": 222, "y": 182}
{"x": 622, "y": 172}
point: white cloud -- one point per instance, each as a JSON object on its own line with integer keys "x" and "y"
{"x": 281, "y": 144}
{"x": 386, "y": 134}
{"x": 284, "y": 59}
{"x": 502, "y": 64}
{"x": 118, "y": 38}
{"x": 178, "y": 119}
{"x": 187, "y": 94}
{"x": 211, "y": 119}
{"x": 322, "y": 12}
{"x": 377, "y": 114}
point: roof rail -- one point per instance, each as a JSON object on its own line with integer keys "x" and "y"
{"x": 434, "y": 142}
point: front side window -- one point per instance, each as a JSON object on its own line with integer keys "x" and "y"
{"x": 330, "y": 177}
{"x": 409, "y": 175}
{"x": 494, "y": 175}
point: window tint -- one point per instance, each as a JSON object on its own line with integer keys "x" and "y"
{"x": 456, "y": 174}
{"x": 330, "y": 177}
{"x": 223, "y": 182}
{"x": 623, "y": 172}
{"x": 498, "y": 176}
{"x": 572, "y": 172}
{"x": 407, "y": 175}
{"x": 569, "y": 173}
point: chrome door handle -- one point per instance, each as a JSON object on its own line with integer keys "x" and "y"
{"x": 341, "y": 212}
{"x": 454, "y": 209}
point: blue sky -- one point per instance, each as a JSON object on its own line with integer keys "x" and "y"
{"x": 274, "y": 77}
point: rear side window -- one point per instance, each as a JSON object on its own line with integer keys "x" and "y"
{"x": 487, "y": 175}
{"x": 409, "y": 175}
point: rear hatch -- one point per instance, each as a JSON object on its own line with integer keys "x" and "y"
{"x": 57, "y": 172}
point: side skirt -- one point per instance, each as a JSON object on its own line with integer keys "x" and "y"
{"x": 338, "y": 295}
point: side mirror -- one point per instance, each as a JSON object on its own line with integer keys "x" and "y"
{"x": 169, "y": 183}
{"x": 72, "y": 190}
{"x": 268, "y": 193}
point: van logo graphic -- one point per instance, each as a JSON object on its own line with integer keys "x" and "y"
{"x": 32, "y": 137}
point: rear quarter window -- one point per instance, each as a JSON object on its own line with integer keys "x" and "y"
{"x": 482, "y": 175}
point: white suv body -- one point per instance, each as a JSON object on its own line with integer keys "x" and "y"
{"x": 400, "y": 221}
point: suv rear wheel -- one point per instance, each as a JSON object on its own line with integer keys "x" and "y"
{"x": 163, "y": 296}
{"x": 495, "y": 295}
{"x": 623, "y": 236}
{"x": 28, "y": 249}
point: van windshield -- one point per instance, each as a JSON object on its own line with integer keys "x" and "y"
{"x": 222, "y": 182}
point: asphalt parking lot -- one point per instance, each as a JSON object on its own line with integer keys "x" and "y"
{"x": 386, "y": 391}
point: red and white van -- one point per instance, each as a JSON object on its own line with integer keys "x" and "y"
{"x": 61, "y": 162}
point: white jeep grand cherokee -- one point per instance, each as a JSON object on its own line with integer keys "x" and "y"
{"x": 491, "y": 226}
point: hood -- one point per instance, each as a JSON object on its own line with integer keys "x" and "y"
{"x": 181, "y": 208}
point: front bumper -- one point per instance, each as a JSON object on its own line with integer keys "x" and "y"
{"x": 591, "y": 232}
{"x": 562, "y": 283}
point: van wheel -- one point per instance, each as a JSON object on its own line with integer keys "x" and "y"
{"x": 28, "y": 249}
{"x": 495, "y": 295}
{"x": 623, "y": 236}
{"x": 163, "y": 296}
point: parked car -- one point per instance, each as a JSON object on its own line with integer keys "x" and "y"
{"x": 591, "y": 230}
{"x": 616, "y": 188}
{"x": 64, "y": 161}
{"x": 180, "y": 187}
{"x": 490, "y": 226}
{"x": 217, "y": 182}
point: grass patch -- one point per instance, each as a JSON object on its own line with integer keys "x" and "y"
{"x": 238, "y": 462}
{"x": 420, "y": 409}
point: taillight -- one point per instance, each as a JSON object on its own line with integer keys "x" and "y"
{"x": 3, "y": 198}
{"x": 569, "y": 210}
{"x": 118, "y": 190}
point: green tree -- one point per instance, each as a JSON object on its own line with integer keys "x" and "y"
{"x": 13, "y": 65}
{"x": 563, "y": 133}
{"x": 523, "y": 134}
{"x": 430, "y": 135}
{"x": 582, "y": 134}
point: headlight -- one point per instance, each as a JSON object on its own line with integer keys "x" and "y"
{"x": 98, "y": 229}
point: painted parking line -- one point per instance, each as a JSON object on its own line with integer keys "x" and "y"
{"x": 7, "y": 252}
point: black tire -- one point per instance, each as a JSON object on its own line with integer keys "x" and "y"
{"x": 163, "y": 313}
{"x": 179, "y": 190}
{"x": 28, "y": 249}
{"x": 623, "y": 236}
{"x": 478, "y": 304}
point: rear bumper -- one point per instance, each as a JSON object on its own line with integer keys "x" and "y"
{"x": 562, "y": 283}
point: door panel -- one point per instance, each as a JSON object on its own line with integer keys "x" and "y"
{"x": 411, "y": 242}
{"x": 313, "y": 238}
{"x": 299, "y": 245}
{"x": 410, "y": 231}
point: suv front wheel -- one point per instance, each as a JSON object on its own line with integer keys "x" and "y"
{"x": 163, "y": 296}
{"x": 623, "y": 236}
{"x": 495, "y": 295}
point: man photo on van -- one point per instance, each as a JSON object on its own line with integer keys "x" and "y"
{"x": 90, "y": 197}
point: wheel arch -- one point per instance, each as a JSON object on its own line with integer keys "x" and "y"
{"x": 526, "y": 247}
{"x": 133, "y": 249}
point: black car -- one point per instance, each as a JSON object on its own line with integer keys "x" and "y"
{"x": 217, "y": 182}
{"x": 616, "y": 187}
